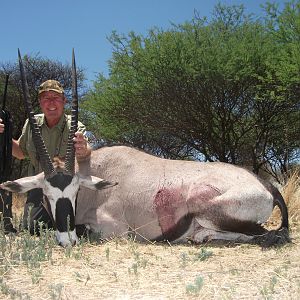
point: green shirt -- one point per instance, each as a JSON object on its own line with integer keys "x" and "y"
{"x": 55, "y": 140}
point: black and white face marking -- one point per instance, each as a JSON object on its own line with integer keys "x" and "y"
{"x": 64, "y": 215}
{"x": 61, "y": 191}
{"x": 65, "y": 222}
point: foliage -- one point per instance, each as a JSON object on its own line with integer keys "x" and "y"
{"x": 221, "y": 90}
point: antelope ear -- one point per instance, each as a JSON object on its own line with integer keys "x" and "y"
{"x": 95, "y": 183}
{"x": 25, "y": 184}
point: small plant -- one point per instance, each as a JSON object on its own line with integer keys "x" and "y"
{"x": 107, "y": 253}
{"x": 55, "y": 291}
{"x": 268, "y": 290}
{"x": 184, "y": 259}
{"x": 139, "y": 261}
{"x": 68, "y": 251}
{"x": 78, "y": 252}
{"x": 14, "y": 294}
{"x": 234, "y": 271}
{"x": 36, "y": 275}
{"x": 195, "y": 287}
{"x": 204, "y": 254}
{"x": 135, "y": 268}
{"x": 82, "y": 278}
{"x": 79, "y": 277}
{"x": 3, "y": 287}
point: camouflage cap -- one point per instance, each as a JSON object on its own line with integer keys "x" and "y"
{"x": 51, "y": 85}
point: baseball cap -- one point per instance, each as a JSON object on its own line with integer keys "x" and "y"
{"x": 51, "y": 85}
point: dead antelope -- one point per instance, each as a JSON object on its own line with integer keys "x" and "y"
{"x": 159, "y": 199}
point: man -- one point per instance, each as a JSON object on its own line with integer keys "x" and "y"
{"x": 54, "y": 125}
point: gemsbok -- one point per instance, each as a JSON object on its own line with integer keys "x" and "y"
{"x": 160, "y": 199}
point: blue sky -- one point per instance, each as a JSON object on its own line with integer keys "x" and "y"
{"x": 53, "y": 28}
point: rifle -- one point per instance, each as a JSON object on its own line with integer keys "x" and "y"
{"x": 5, "y": 139}
{"x": 6, "y": 163}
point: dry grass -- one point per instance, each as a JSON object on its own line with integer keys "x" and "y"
{"x": 124, "y": 269}
{"x": 18, "y": 203}
{"x": 291, "y": 195}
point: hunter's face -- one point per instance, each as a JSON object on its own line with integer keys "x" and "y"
{"x": 52, "y": 105}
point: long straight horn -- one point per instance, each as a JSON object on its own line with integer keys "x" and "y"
{"x": 70, "y": 155}
{"x": 45, "y": 160}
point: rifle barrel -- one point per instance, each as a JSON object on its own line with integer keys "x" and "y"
{"x": 5, "y": 91}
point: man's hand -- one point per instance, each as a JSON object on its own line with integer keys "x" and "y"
{"x": 1, "y": 126}
{"x": 82, "y": 149}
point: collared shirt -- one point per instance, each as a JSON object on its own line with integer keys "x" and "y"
{"x": 55, "y": 140}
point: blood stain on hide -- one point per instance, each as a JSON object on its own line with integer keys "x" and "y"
{"x": 176, "y": 207}
{"x": 171, "y": 210}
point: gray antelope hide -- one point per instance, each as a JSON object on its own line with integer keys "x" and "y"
{"x": 159, "y": 199}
